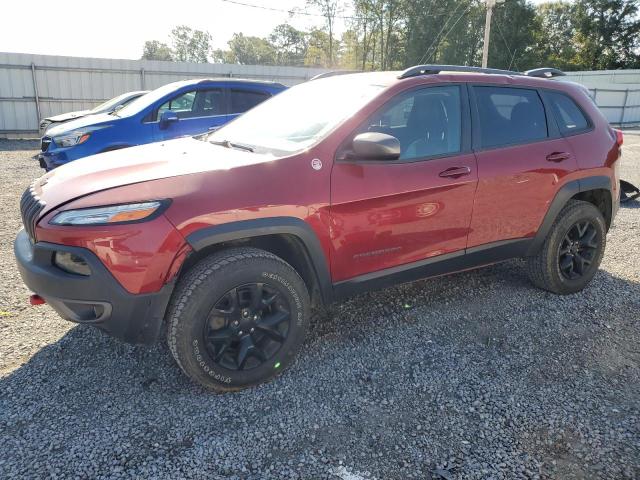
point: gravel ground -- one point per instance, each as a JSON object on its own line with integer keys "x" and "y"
{"x": 476, "y": 375}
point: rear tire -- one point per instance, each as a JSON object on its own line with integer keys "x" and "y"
{"x": 237, "y": 319}
{"x": 572, "y": 251}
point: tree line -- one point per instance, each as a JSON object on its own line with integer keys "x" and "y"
{"x": 394, "y": 34}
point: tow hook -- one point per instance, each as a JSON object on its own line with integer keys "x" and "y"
{"x": 36, "y": 300}
{"x": 628, "y": 191}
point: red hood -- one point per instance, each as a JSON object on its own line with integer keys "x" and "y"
{"x": 137, "y": 164}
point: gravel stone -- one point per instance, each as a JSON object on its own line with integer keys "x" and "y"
{"x": 473, "y": 376}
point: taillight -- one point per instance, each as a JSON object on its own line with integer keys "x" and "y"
{"x": 619, "y": 137}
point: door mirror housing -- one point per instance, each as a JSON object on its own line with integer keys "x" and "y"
{"x": 376, "y": 146}
{"x": 167, "y": 118}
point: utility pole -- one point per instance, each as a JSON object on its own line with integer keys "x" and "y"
{"x": 487, "y": 30}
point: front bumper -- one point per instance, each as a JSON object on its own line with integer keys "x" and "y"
{"x": 97, "y": 299}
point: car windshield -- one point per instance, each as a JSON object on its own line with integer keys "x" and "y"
{"x": 109, "y": 104}
{"x": 150, "y": 98}
{"x": 300, "y": 116}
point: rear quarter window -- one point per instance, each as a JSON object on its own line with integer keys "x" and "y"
{"x": 569, "y": 116}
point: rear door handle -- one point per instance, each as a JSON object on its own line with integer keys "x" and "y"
{"x": 558, "y": 156}
{"x": 455, "y": 172}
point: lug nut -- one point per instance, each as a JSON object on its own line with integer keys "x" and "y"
{"x": 252, "y": 330}
{"x": 240, "y": 332}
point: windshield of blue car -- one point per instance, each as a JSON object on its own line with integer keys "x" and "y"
{"x": 110, "y": 104}
{"x": 150, "y": 98}
{"x": 302, "y": 115}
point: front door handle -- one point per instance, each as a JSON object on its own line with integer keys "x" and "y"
{"x": 455, "y": 172}
{"x": 558, "y": 156}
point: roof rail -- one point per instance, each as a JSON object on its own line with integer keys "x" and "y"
{"x": 544, "y": 73}
{"x": 332, "y": 73}
{"x": 433, "y": 69}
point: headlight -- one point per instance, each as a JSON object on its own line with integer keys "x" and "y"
{"x": 132, "y": 212}
{"x": 71, "y": 139}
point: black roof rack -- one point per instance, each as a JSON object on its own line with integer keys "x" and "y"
{"x": 434, "y": 69}
{"x": 545, "y": 73}
{"x": 333, "y": 73}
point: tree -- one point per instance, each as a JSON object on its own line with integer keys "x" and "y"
{"x": 190, "y": 45}
{"x": 290, "y": 45}
{"x": 513, "y": 36}
{"x": 155, "y": 50}
{"x": 330, "y": 9}
{"x": 555, "y": 35}
{"x": 607, "y": 34}
{"x": 318, "y": 49}
{"x": 249, "y": 51}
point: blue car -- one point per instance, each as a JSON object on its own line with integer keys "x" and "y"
{"x": 178, "y": 109}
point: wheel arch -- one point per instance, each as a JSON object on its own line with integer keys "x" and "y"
{"x": 595, "y": 190}
{"x": 289, "y": 238}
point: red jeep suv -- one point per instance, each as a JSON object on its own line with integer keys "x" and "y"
{"x": 337, "y": 186}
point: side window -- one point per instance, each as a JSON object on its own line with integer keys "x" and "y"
{"x": 209, "y": 103}
{"x": 182, "y": 105}
{"x": 427, "y": 122}
{"x": 510, "y": 116}
{"x": 243, "y": 100}
{"x": 568, "y": 115}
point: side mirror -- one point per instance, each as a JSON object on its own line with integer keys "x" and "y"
{"x": 168, "y": 117}
{"x": 376, "y": 146}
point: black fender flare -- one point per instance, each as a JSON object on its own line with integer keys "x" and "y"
{"x": 564, "y": 194}
{"x": 217, "y": 234}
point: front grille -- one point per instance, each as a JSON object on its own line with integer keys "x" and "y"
{"x": 30, "y": 208}
{"x": 44, "y": 144}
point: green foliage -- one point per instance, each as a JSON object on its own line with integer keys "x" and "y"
{"x": 190, "y": 45}
{"x": 290, "y": 45}
{"x": 155, "y": 50}
{"x": 394, "y": 34}
{"x": 607, "y": 34}
{"x": 249, "y": 51}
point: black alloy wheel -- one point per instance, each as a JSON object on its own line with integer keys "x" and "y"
{"x": 578, "y": 249}
{"x": 247, "y": 326}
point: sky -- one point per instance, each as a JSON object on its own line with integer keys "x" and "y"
{"x": 119, "y": 28}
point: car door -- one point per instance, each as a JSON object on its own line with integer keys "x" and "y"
{"x": 243, "y": 99}
{"x": 390, "y": 213}
{"x": 198, "y": 110}
{"x": 522, "y": 160}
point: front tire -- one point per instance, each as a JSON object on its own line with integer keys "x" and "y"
{"x": 572, "y": 251}
{"x": 237, "y": 319}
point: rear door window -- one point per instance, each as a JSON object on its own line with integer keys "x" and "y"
{"x": 243, "y": 100}
{"x": 568, "y": 115}
{"x": 509, "y": 116}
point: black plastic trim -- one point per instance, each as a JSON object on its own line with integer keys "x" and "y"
{"x": 218, "y": 234}
{"x": 98, "y": 299}
{"x": 431, "y": 267}
{"x": 564, "y": 194}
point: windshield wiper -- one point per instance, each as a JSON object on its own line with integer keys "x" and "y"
{"x": 228, "y": 144}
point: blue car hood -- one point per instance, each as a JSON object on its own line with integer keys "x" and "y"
{"x": 88, "y": 122}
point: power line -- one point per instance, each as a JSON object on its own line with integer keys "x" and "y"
{"x": 512, "y": 55}
{"x": 446, "y": 34}
{"x": 293, "y": 11}
{"x": 424, "y": 56}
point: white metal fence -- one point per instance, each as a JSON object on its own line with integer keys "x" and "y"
{"x": 37, "y": 86}
{"x": 616, "y": 92}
